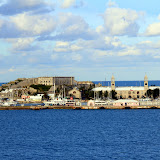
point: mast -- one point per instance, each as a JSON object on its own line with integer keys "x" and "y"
{"x": 54, "y": 88}
{"x": 64, "y": 92}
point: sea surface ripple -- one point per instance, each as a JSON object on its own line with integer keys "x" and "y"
{"x": 80, "y": 134}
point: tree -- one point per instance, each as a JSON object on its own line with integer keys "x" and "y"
{"x": 156, "y": 93}
{"x": 106, "y": 94}
{"x": 149, "y": 93}
{"x": 101, "y": 94}
{"x": 113, "y": 94}
{"x": 86, "y": 93}
{"x": 45, "y": 96}
{"x": 40, "y": 88}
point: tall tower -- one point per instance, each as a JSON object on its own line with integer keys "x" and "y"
{"x": 112, "y": 83}
{"x": 145, "y": 83}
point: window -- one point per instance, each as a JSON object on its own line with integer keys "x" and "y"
{"x": 137, "y": 92}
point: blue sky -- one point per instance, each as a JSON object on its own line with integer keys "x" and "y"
{"x": 90, "y": 40}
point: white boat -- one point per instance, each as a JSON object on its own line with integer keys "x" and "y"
{"x": 70, "y": 102}
{"x": 56, "y": 101}
{"x": 9, "y": 102}
{"x": 99, "y": 102}
{"x": 61, "y": 101}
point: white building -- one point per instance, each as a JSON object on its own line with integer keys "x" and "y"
{"x": 127, "y": 92}
{"x": 36, "y": 98}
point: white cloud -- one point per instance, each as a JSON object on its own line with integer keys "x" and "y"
{"x": 34, "y": 25}
{"x": 73, "y": 27}
{"x": 68, "y": 3}
{"x": 111, "y": 4}
{"x": 153, "y": 30}
{"x": 102, "y": 53}
{"x": 21, "y": 43}
{"x": 130, "y": 51}
{"x": 11, "y": 7}
{"x": 12, "y": 69}
{"x": 156, "y": 57}
{"x": 61, "y": 46}
{"x": 75, "y": 47}
{"x": 118, "y": 21}
{"x": 76, "y": 57}
{"x": 32, "y": 60}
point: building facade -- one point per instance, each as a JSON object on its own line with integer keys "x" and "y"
{"x": 57, "y": 80}
{"x": 128, "y": 92}
{"x": 75, "y": 93}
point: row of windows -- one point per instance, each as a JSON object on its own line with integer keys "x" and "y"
{"x": 134, "y": 96}
{"x": 45, "y": 81}
{"x": 129, "y": 92}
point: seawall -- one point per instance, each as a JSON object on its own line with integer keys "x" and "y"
{"x": 74, "y": 107}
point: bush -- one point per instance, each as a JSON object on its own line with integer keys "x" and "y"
{"x": 40, "y": 87}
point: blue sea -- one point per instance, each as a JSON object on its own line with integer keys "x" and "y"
{"x": 80, "y": 134}
{"x": 125, "y": 83}
{"x": 1, "y": 84}
{"x": 128, "y": 83}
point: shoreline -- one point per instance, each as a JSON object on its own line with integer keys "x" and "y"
{"x": 75, "y": 107}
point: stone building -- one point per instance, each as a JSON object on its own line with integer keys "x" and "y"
{"x": 45, "y": 80}
{"x": 85, "y": 84}
{"x": 128, "y": 92}
{"x": 13, "y": 93}
{"x": 75, "y": 93}
{"x": 56, "y": 80}
{"x": 126, "y": 102}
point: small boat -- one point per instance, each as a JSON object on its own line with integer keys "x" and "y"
{"x": 9, "y": 102}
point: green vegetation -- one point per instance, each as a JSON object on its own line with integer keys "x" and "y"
{"x": 113, "y": 94}
{"x": 105, "y": 94}
{"x": 152, "y": 93}
{"x": 87, "y": 93}
{"x": 19, "y": 80}
{"x": 45, "y": 96}
{"x": 156, "y": 93}
{"x": 40, "y": 88}
{"x": 149, "y": 93}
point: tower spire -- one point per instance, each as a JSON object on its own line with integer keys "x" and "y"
{"x": 145, "y": 82}
{"x": 112, "y": 83}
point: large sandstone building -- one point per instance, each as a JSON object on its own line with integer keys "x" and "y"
{"x": 128, "y": 92}
{"x": 56, "y": 80}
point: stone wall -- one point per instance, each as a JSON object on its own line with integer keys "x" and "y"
{"x": 57, "y": 80}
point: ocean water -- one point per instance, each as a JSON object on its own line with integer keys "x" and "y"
{"x": 80, "y": 134}
{"x": 1, "y": 84}
{"x": 128, "y": 83}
